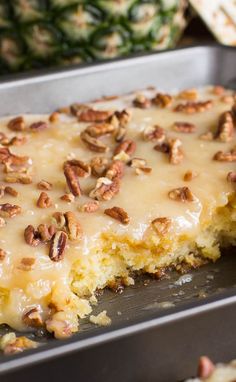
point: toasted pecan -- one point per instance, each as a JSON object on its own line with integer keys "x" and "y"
{"x": 73, "y": 226}
{"x": 79, "y": 167}
{"x": 58, "y": 218}
{"x": 128, "y": 147}
{"x": 17, "y": 124}
{"x": 100, "y": 129}
{"x": 229, "y": 156}
{"x": 115, "y": 170}
{"x": 190, "y": 175}
{"x": 175, "y": 151}
{"x": 140, "y": 166}
{"x": 8, "y": 210}
{"x": 161, "y": 225}
{"x": 92, "y": 143}
{"x": 225, "y": 130}
{"x": 154, "y": 133}
{"x": 181, "y": 194}
{"x": 45, "y": 232}
{"x": 105, "y": 189}
{"x": 72, "y": 180}
{"x": 57, "y": 246}
{"x": 44, "y": 201}
{"x": 119, "y": 214}
{"x": 162, "y": 100}
{"x": 184, "y": 127}
{"x": 99, "y": 165}
{"x": 18, "y": 178}
{"x": 44, "y": 185}
{"x": 208, "y": 136}
{"x": 141, "y": 101}
{"x": 31, "y": 236}
{"x": 10, "y": 191}
{"x": 188, "y": 94}
{"x": 38, "y": 126}
{"x": 32, "y": 318}
{"x": 194, "y": 107}
{"x": 91, "y": 115}
{"x": 69, "y": 198}
{"x": 90, "y": 207}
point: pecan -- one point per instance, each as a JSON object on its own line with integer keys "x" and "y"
{"x": 184, "y": 127}
{"x": 90, "y": 207}
{"x": 73, "y": 226}
{"x": 18, "y": 178}
{"x": 105, "y": 189}
{"x": 2, "y": 222}
{"x": 181, "y": 194}
{"x": 91, "y": 115}
{"x": 59, "y": 219}
{"x": 154, "y": 133}
{"x": 128, "y": 147}
{"x": 60, "y": 328}
{"x": 44, "y": 201}
{"x": 229, "y": 156}
{"x": 80, "y": 168}
{"x": 17, "y": 141}
{"x": 175, "y": 154}
{"x": 225, "y": 130}
{"x": 45, "y": 232}
{"x": 162, "y": 100}
{"x": 161, "y": 225}
{"x": 57, "y": 246}
{"x": 72, "y": 180}
{"x": 17, "y": 124}
{"x": 188, "y": 94}
{"x": 10, "y": 191}
{"x": 100, "y": 129}
{"x": 205, "y": 367}
{"x": 99, "y": 165}
{"x": 194, "y": 107}
{"x": 9, "y": 210}
{"x": 140, "y": 166}
{"x": 119, "y": 214}
{"x": 92, "y": 143}
{"x": 54, "y": 117}
{"x": 231, "y": 177}
{"x": 31, "y": 236}
{"x": 115, "y": 170}
{"x": 2, "y": 254}
{"x": 190, "y": 175}
{"x": 7, "y": 156}
{"x": 120, "y": 133}
{"x": 208, "y": 136}
{"x": 69, "y": 198}
{"x": 44, "y": 185}
{"x": 141, "y": 101}
{"x": 32, "y": 318}
{"x": 162, "y": 147}
{"x": 38, "y": 126}
{"x": 75, "y": 109}
{"x": 123, "y": 116}
{"x": 26, "y": 264}
{"x": 143, "y": 170}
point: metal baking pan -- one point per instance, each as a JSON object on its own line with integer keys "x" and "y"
{"x": 159, "y": 328}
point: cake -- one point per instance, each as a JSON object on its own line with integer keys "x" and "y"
{"x": 95, "y": 194}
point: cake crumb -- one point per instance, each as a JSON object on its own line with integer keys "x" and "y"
{"x": 101, "y": 319}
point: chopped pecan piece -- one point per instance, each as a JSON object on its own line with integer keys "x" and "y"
{"x": 72, "y": 180}
{"x": 229, "y": 156}
{"x": 18, "y": 178}
{"x": 57, "y": 246}
{"x": 91, "y": 115}
{"x": 31, "y": 236}
{"x": 16, "y": 124}
{"x": 69, "y": 198}
{"x": 45, "y": 232}
{"x": 99, "y": 165}
{"x": 54, "y": 117}
{"x": 2, "y": 254}
{"x": 2, "y": 222}
{"x": 162, "y": 100}
{"x": 140, "y": 166}
{"x": 194, "y": 107}
{"x": 120, "y": 134}
{"x": 128, "y": 147}
{"x": 184, "y": 127}
{"x": 26, "y": 264}
{"x": 105, "y": 189}
{"x": 154, "y": 133}
{"x": 181, "y": 194}
{"x": 44, "y": 201}
{"x": 100, "y": 129}
{"x": 119, "y": 214}
{"x": 92, "y": 143}
{"x": 231, "y": 177}
{"x": 80, "y": 168}
{"x": 175, "y": 152}
{"x": 115, "y": 170}
{"x": 162, "y": 147}
{"x": 7, "y": 156}
{"x": 188, "y": 94}
{"x": 208, "y": 136}
{"x": 17, "y": 141}
{"x": 73, "y": 226}
{"x": 32, "y": 318}
{"x": 44, "y": 185}
{"x": 141, "y": 101}
{"x": 59, "y": 327}
{"x": 123, "y": 116}
{"x": 90, "y": 207}
{"x": 10, "y": 191}
{"x": 9, "y": 210}
{"x": 190, "y": 175}
{"x": 225, "y": 130}
{"x": 161, "y": 225}
{"x": 38, "y": 126}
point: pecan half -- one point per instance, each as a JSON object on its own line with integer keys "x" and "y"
{"x": 119, "y": 214}
{"x": 99, "y": 165}
{"x": 181, "y": 194}
{"x": 90, "y": 207}
{"x": 72, "y": 181}
{"x": 175, "y": 152}
{"x": 225, "y": 130}
{"x": 80, "y": 168}
{"x": 73, "y": 226}
{"x": 162, "y": 100}
{"x": 229, "y": 156}
{"x": 184, "y": 127}
{"x": 92, "y": 143}
{"x": 44, "y": 185}
{"x": 154, "y": 133}
{"x": 45, "y": 232}
{"x": 91, "y": 115}
{"x": 38, "y": 126}
{"x": 194, "y": 107}
{"x": 188, "y": 94}
{"x": 57, "y": 246}
{"x": 231, "y": 177}
{"x": 105, "y": 189}
{"x": 100, "y": 129}
{"x": 128, "y": 147}
{"x": 31, "y": 236}
{"x": 44, "y": 201}
{"x": 161, "y": 225}
{"x": 115, "y": 170}
{"x": 9, "y": 210}
{"x": 17, "y": 124}
{"x": 190, "y": 175}
{"x": 141, "y": 101}
{"x": 32, "y": 318}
